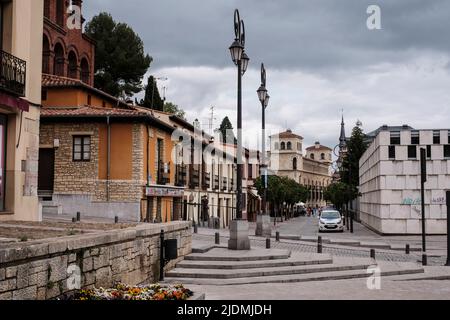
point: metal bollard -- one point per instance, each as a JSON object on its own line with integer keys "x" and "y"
{"x": 74, "y": 220}
{"x": 78, "y": 216}
{"x": 407, "y": 249}
{"x": 217, "y": 238}
{"x": 277, "y": 236}
{"x": 268, "y": 243}
{"x": 116, "y": 219}
{"x": 372, "y": 253}
{"x": 319, "y": 245}
{"x": 424, "y": 259}
{"x": 195, "y": 228}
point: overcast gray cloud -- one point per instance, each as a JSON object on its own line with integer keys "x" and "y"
{"x": 319, "y": 54}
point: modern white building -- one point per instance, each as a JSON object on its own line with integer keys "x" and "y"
{"x": 390, "y": 180}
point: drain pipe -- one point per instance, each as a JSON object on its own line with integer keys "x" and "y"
{"x": 148, "y": 173}
{"x": 108, "y": 159}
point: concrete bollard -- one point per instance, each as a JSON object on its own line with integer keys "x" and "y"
{"x": 268, "y": 243}
{"x": 217, "y": 238}
{"x": 78, "y": 216}
{"x": 407, "y": 249}
{"x": 424, "y": 259}
{"x": 372, "y": 253}
{"x": 116, "y": 219}
{"x": 277, "y": 236}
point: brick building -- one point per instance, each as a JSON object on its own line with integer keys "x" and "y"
{"x": 67, "y": 51}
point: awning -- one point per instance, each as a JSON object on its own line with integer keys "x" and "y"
{"x": 14, "y": 102}
{"x": 254, "y": 193}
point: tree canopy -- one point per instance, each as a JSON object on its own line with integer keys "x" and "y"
{"x": 282, "y": 190}
{"x": 120, "y": 61}
{"x": 152, "y": 98}
{"x": 174, "y": 109}
{"x": 226, "y": 131}
{"x": 340, "y": 193}
{"x": 350, "y": 165}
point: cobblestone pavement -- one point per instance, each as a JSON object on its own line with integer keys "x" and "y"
{"x": 335, "y": 250}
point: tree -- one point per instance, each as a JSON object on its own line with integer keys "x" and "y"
{"x": 120, "y": 61}
{"x": 176, "y": 110}
{"x": 340, "y": 193}
{"x": 226, "y": 131}
{"x": 350, "y": 166}
{"x": 152, "y": 98}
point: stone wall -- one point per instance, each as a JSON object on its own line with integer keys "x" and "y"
{"x": 40, "y": 270}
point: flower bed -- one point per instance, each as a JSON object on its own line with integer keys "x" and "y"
{"x": 125, "y": 292}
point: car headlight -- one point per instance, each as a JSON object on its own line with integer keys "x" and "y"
{"x": 321, "y": 222}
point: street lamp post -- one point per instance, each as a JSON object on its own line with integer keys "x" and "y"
{"x": 239, "y": 228}
{"x": 263, "y": 221}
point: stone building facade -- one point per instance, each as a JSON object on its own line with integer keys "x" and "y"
{"x": 390, "y": 181}
{"x": 288, "y": 159}
{"x": 20, "y": 99}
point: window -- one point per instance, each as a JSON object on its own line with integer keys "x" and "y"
{"x": 412, "y": 152}
{"x": 72, "y": 68}
{"x": 436, "y": 137}
{"x": 447, "y": 151}
{"x": 81, "y": 148}
{"x": 294, "y": 164}
{"x": 283, "y": 146}
{"x": 312, "y": 156}
{"x": 429, "y": 152}
{"x": 45, "y": 55}
{"x": 85, "y": 73}
{"x": 322, "y": 156}
{"x": 395, "y": 137}
{"x": 415, "y": 137}
{"x": 392, "y": 152}
{"x": 299, "y": 145}
{"x": 289, "y": 145}
{"x": 58, "y": 61}
{"x": 250, "y": 171}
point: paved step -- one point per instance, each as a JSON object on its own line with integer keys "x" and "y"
{"x": 387, "y": 270}
{"x": 298, "y": 259}
{"x": 263, "y": 272}
{"x": 223, "y": 254}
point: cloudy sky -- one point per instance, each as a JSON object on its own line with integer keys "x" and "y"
{"x": 319, "y": 55}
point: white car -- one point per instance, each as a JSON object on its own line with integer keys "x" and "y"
{"x": 331, "y": 220}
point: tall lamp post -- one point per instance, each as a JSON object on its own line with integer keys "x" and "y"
{"x": 239, "y": 228}
{"x": 263, "y": 220}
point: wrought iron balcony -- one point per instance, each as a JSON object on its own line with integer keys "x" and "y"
{"x": 206, "y": 180}
{"x": 224, "y": 183}
{"x": 216, "y": 182}
{"x": 13, "y": 74}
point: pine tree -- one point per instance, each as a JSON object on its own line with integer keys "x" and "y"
{"x": 356, "y": 148}
{"x": 152, "y": 99}
{"x": 226, "y": 131}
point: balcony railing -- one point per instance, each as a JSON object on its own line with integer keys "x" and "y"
{"x": 194, "y": 179}
{"x": 216, "y": 182}
{"x": 206, "y": 180}
{"x": 13, "y": 74}
{"x": 181, "y": 176}
{"x": 224, "y": 184}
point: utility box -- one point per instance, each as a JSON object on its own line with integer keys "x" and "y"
{"x": 170, "y": 249}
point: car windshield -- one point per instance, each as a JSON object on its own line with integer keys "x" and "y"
{"x": 330, "y": 215}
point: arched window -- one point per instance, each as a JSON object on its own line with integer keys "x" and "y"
{"x": 277, "y": 146}
{"x": 289, "y": 145}
{"x": 322, "y": 156}
{"x": 60, "y": 4}
{"x": 47, "y": 8}
{"x": 283, "y": 146}
{"x": 72, "y": 68}
{"x": 45, "y": 55}
{"x": 85, "y": 74}
{"x": 312, "y": 156}
{"x": 58, "y": 64}
{"x": 294, "y": 164}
